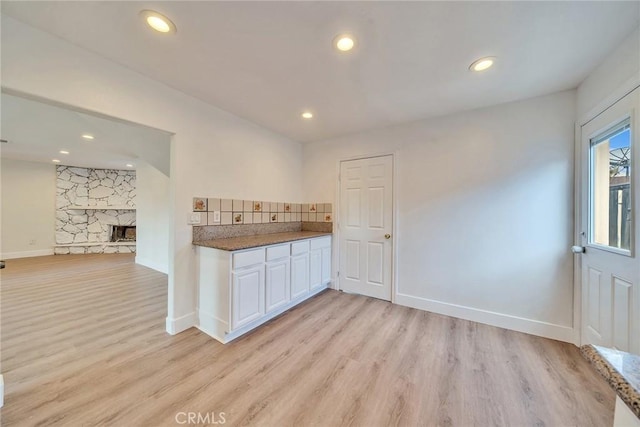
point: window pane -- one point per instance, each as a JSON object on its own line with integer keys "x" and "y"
{"x": 610, "y": 183}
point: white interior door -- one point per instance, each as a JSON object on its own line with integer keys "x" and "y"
{"x": 609, "y": 207}
{"x": 366, "y": 225}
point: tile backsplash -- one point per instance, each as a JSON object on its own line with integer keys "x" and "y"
{"x": 235, "y": 212}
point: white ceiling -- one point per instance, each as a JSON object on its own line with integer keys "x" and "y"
{"x": 37, "y": 132}
{"x": 268, "y": 61}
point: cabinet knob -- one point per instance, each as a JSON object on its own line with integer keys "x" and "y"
{"x": 387, "y": 236}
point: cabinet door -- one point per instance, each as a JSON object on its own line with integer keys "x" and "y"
{"x": 315, "y": 268}
{"x": 326, "y": 265}
{"x": 299, "y": 275}
{"x": 248, "y": 295}
{"x": 277, "y": 284}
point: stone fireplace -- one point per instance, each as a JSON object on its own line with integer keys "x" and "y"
{"x": 122, "y": 233}
{"x": 95, "y": 211}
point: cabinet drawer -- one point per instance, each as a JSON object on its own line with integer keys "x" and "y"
{"x": 276, "y": 252}
{"x": 300, "y": 247}
{"x": 321, "y": 242}
{"x": 245, "y": 259}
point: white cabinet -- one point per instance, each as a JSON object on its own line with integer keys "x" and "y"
{"x": 278, "y": 279}
{"x": 299, "y": 275}
{"x": 299, "y": 269}
{"x": 315, "y": 268}
{"x": 248, "y": 295}
{"x": 240, "y": 290}
{"x": 326, "y": 265}
{"x": 277, "y": 285}
{"x": 320, "y": 262}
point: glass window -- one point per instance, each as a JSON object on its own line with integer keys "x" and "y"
{"x": 610, "y": 187}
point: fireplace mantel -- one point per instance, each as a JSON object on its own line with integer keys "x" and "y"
{"x": 101, "y": 208}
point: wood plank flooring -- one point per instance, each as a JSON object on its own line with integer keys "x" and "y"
{"x": 83, "y": 343}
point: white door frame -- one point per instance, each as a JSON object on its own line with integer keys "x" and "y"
{"x": 394, "y": 216}
{"x": 626, "y": 88}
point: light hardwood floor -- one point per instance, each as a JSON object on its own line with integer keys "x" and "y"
{"x": 83, "y": 343}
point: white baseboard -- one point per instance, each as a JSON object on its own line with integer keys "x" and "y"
{"x": 162, "y": 268}
{"x": 182, "y": 323}
{"x": 506, "y": 321}
{"x": 212, "y": 326}
{"x": 26, "y": 254}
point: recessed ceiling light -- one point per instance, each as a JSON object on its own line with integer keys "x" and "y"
{"x": 307, "y": 115}
{"x": 344, "y": 42}
{"x": 87, "y": 136}
{"x": 55, "y": 161}
{"x": 482, "y": 63}
{"x": 129, "y": 165}
{"x": 64, "y": 152}
{"x": 158, "y": 21}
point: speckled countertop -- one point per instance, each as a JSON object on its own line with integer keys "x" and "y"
{"x": 620, "y": 369}
{"x": 247, "y": 242}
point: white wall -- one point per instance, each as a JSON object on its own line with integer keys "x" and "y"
{"x": 484, "y": 210}
{"x": 28, "y": 208}
{"x": 213, "y": 152}
{"x": 152, "y": 218}
{"x": 619, "y": 70}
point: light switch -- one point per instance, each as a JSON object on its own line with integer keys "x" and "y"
{"x": 195, "y": 218}
{"x": 216, "y": 216}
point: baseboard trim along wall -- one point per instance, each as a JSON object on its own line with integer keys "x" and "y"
{"x": 182, "y": 323}
{"x": 26, "y": 254}
{"x": 153, "y": 265}
{"x": 514, "y": 323}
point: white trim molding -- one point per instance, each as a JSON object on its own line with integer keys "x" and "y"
{"x": 26, "y": 254}
{"x": 506, "y": 321}
{"x": 182, "y": 323}
{"x": 627, "y": 87}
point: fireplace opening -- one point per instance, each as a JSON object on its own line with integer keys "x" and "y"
{"x": 123, "y": 233}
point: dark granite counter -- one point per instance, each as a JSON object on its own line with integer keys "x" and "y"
{"x": 620, "y": 369}
{"x": 257, "y": 240}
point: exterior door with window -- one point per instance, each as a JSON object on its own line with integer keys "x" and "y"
{"x": 609, "y": 207}
{"x": 366, "y": 224}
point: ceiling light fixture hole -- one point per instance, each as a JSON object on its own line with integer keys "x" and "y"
{"x": 482, "y": 64}
{"x": 344, "y": 42}
{"x": 158, "y": 22}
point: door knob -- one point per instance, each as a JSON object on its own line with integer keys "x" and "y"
{"x": 387, "y": 236}
{"x": 577, "y": 249}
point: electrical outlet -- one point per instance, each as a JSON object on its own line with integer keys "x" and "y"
{"x": 195, "y": 218}
{"x": 32, "y": 242}
{"x": 216, "y": 216}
